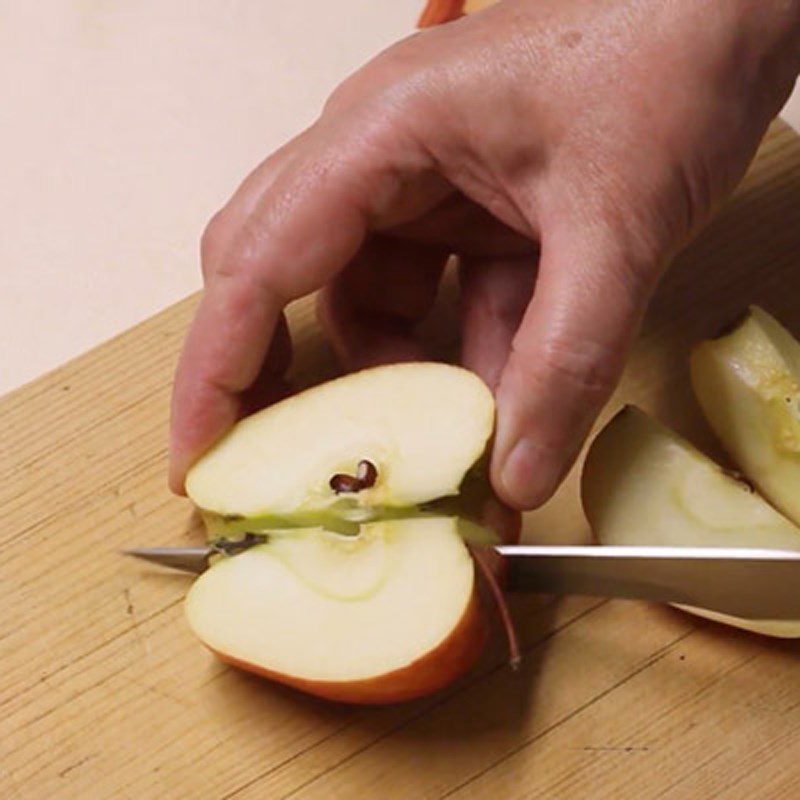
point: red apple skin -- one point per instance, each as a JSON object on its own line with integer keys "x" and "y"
{"x": 439, "y": 667}
{"x": 438, "y": 11}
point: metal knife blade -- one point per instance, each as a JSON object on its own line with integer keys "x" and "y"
{"x": 743, "y": 582}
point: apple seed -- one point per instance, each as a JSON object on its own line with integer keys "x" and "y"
{"x": 365, "y": 477}
{"x": 232, "y": 547}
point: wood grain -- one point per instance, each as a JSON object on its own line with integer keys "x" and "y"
{"x": 104, "y": 693}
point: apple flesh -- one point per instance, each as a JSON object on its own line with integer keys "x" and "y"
{"x": 372, "y": 490}
{"x": 642, "y": 484}
{"x": 748, "y": 385}
{"x": 420, "y": 425}
{"x": 386, "y": 616}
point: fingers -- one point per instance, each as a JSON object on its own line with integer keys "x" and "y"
{"x": 291, "y": 239}
{"x": 224, "y": 225}
{"x": 565, "y": 360}
{"x": 370, "y": 310}
{"x": 462, "y": 226}
{"x": 270, "y": 385}
{"x": 494, "y": 295}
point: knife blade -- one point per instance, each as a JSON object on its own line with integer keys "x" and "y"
{"x": 744, "y": 582}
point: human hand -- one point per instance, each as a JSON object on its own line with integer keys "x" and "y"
{"x": 562, "y": 145}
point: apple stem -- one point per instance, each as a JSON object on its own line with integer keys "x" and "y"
{"x": 514, "y": 654}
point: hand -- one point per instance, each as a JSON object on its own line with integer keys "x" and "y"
{"x": 566, "y": 146}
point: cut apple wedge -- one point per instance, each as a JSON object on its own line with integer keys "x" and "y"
{"x": 748, "y": 385}
{"x": 386, "y": 616}
{"x": 642, "y": 484}
{"x": 414, "y": 429}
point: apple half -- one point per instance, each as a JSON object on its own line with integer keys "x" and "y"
{"x": 642, "y": 484}
{"x": 369, "y": 490}
{"x": 421, "y": 426}
{"x": 748, "y": 385}
{"x": 383, "y": 617}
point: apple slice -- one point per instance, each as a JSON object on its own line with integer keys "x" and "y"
{"x": 412, "y": 430}
{"x": 748, "y": 385}
{"x": 386, "y": 616}
{"x": 644, "y": 485}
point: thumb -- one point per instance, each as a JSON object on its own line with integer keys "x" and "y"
{"x": 566, "y": 358}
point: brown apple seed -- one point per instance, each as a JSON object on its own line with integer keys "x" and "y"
{"x": 365, "y": 478}
{"x": 367, "y": 473}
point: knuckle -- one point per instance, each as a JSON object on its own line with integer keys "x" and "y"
{"x": 386, "y": 87}
{"x": 212, "y": 239}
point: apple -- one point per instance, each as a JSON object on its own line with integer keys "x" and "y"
{"x": 372, "y": 493}
{"x": 748, "y": 385}
{"x": 438, "y": 11}
{"x": 384, "y": 617}
{"x": 414, "y": 429}
{"x": 642, "y": 484}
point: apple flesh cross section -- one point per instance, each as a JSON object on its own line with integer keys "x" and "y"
{"x": 386, "y": 616}
{"x": 748, "y": 385}
{"x": 369, "y": 488}
{"x": 421, "y": 426}
{"x": 644, "y": 485}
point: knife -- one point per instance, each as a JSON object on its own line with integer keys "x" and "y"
{"x": 743, "y": 582}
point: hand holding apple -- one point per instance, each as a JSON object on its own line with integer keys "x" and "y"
{"x": 570, "y": 144}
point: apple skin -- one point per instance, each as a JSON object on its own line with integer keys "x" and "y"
{"x": 437, "y": 12}
{"x": 438, "y": 668}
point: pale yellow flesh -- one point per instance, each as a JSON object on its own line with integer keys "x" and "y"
{"x": 748, "y": 385}
{"x": 423, "y": 425}
{"x": 318, "y": 606}
{"x": 644, "y": 485}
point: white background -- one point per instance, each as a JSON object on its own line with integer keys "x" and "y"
{"x": 124, "y": 125}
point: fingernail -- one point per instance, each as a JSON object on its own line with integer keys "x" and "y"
{"x": 526, "y": 475}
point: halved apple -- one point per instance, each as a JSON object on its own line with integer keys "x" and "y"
{"x": 386, "y": 616}
{"x": 748, "y": 385}
{"x": 642, "y": 484}
{"x": 370, "y": 489}
{"x": 420, "y": 427}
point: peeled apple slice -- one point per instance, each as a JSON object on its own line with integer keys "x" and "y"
{"x": 642, "y": 484}
{"x": 422, "y": 426}
{"x": 748, "y": 385}
{"x": 386, "y": 616}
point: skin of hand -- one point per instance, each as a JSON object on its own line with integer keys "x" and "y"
{"x": 564, "y": 150}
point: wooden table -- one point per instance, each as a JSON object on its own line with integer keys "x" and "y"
{"x": 105, "y": 694}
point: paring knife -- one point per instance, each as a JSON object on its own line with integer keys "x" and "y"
{"x": 744, "y": 582}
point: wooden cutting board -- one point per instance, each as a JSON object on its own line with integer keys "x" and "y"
{"x": 105, "y": 694}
